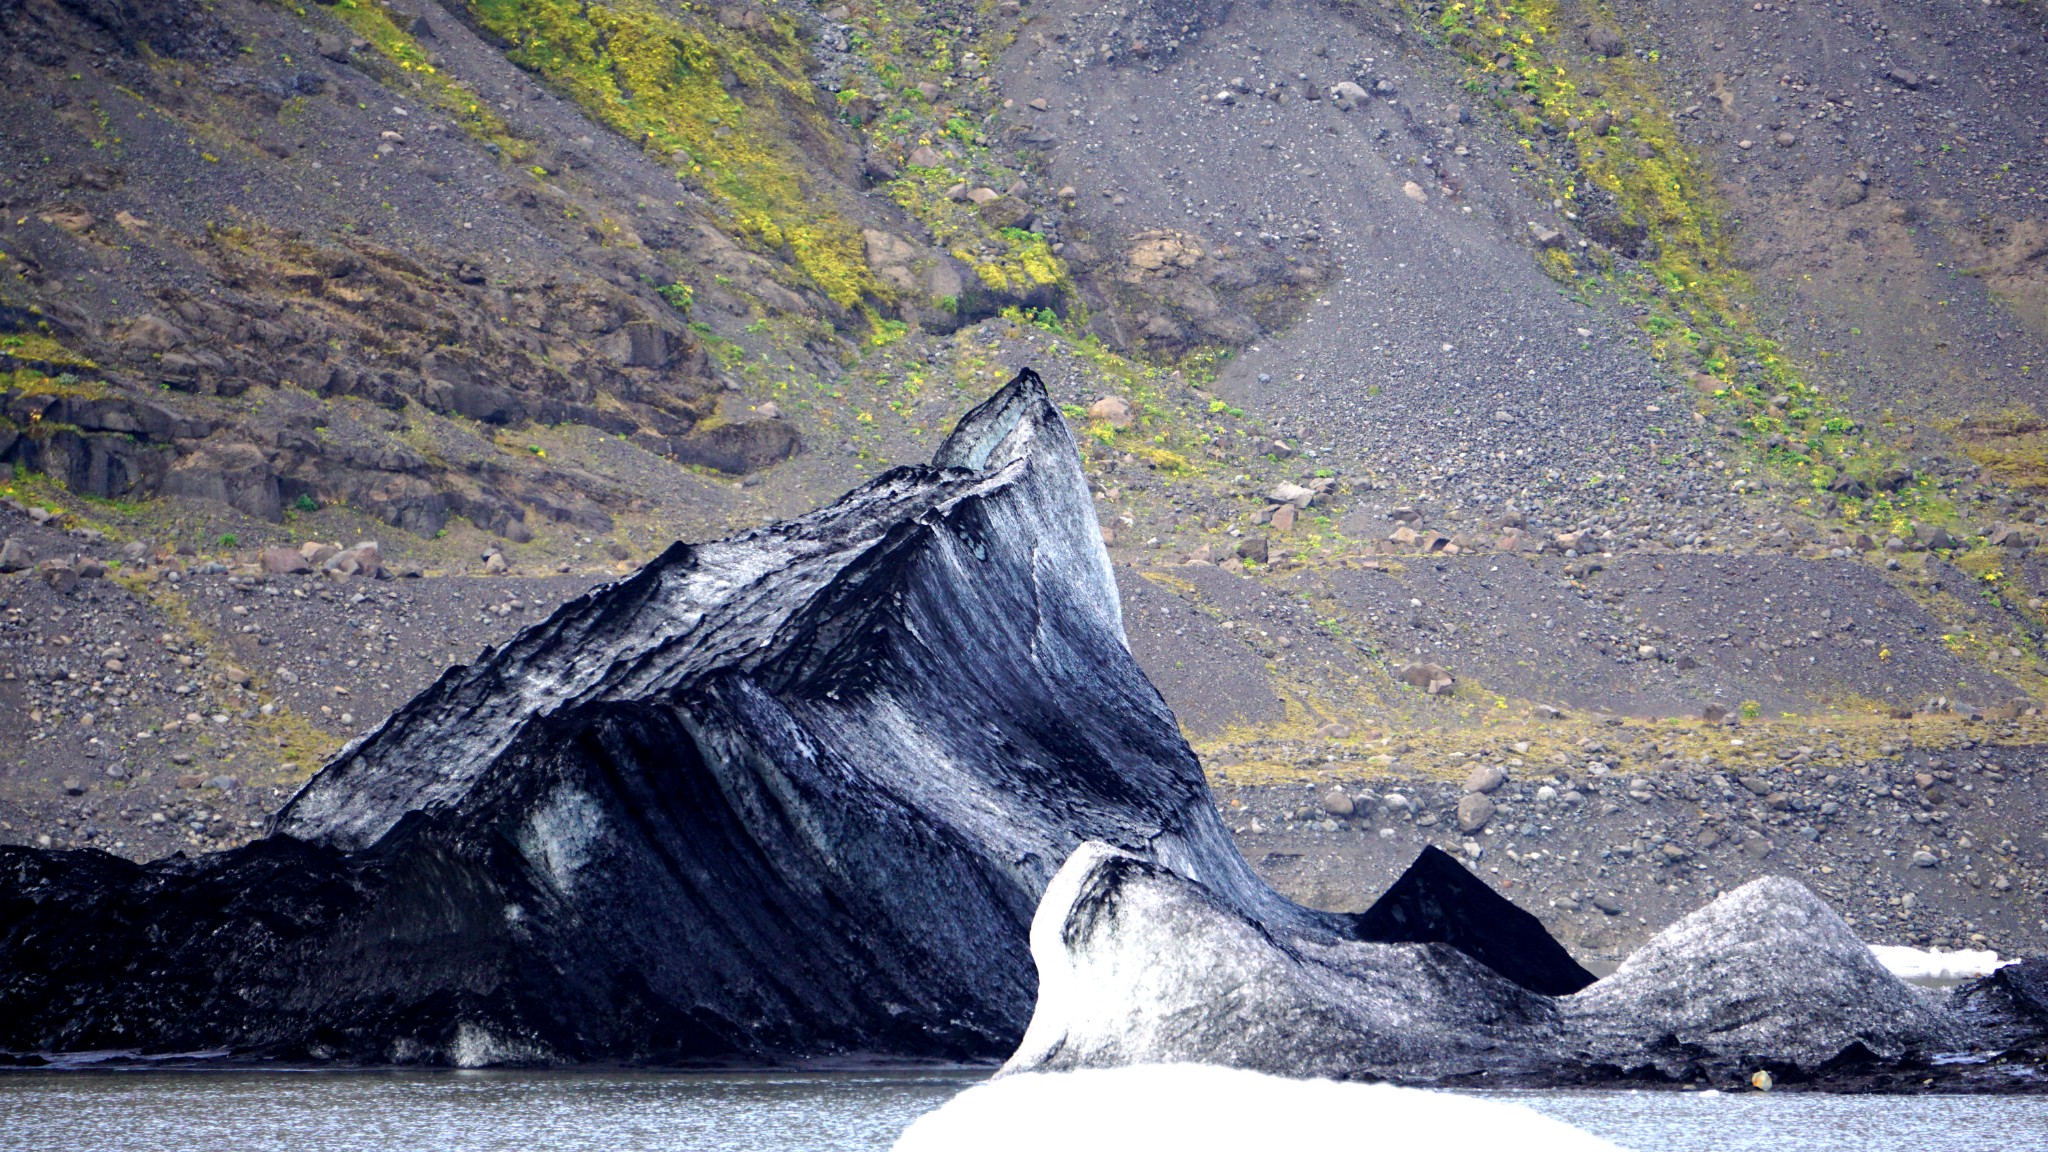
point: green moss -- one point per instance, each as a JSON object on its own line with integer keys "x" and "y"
{"x": 723, "y": 105}
{"x": 37, "y": 348}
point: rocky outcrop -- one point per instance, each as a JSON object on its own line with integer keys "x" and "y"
{"x": 789, "y": 794}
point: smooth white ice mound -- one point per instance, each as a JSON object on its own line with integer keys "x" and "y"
{"x": 1917, "y": 966}
{"x": 1199, "y": 1108}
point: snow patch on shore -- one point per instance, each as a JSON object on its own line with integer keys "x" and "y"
{"x": 1197, "y": 1108}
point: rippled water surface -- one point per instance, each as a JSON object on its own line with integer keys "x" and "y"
{"x": 180, "y": 1111}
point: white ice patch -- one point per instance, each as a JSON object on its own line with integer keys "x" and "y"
{"x": 1937, "y": 969}
{"x": 560, "y": 834}
{"x": 475, "y": 1047}
{"x": 1062, "y": 997}
{"x": 1197, "y": 1108}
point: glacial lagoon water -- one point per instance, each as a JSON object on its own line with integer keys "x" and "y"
{"x": 163, "y": 1110}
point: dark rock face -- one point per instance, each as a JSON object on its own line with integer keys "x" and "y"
{"x": 1437, "y": 901}
{"x": 794, "y": 793}
{"x": 1140, "y": 965}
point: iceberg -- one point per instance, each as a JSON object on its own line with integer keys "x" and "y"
{"x": 1197, "y": 1108}
{"x": 1139, "y": 965}
{"x": 788, "y": 795}
{"x": 1766, "y": 973}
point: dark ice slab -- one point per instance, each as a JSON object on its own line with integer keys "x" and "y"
{"x": 1437, "y": 901}
{"x": 790, "y": 794}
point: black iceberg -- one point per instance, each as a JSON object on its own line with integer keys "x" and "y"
{"x": 797, "y": 794}
{"x": 1437, "y": 901}
{"x": 791, "y": 794}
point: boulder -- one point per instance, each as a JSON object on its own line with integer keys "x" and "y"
{"x": 15, "y": 556}
{"x": 284, "y": 562}
{"x": 60, "y": 575}
{"x": 153, "y": 333}
{"x": 1934, "y": 538}
{"x": 1434, "y": 679}
{"x": 1112, "y": 410}
{"x": 1486, "y": 779}
{"x": 364, "y": 559}
{"x": 1474, "y": 811}
{"x": 232, "y": 473}
{"x": 1295, "y": 494}
{"x": 738, "y": 448}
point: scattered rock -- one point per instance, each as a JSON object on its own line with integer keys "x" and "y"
{"x": 1474, "y": 810}
{"x": 1112, "y": 410}
{"x": 1606, "y": 42}
{"x": 284, "y": 562}
{"x": 1434, "y": 679}
{"x": 1486, "y": 779}
{"x": 15, "y": 556}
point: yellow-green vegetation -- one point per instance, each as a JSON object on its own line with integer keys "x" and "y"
{"x": 1289, "y": 751}
{"x": 302, "y": 746}
{"x": 372, "y": 21}
{"x": 2011, "y": 446}
{"x": 1004, "y": 259}
{"x": 37, "y": 349}
{"x": 897, "y": 51}
{"x": 1597, "y": 135}
{"x": 726, "y": 105}
{"x": 31, "y": 382}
